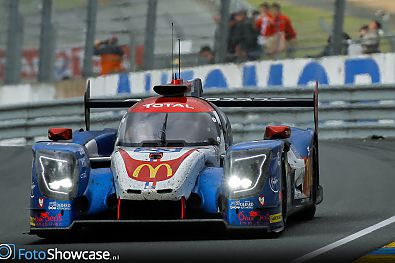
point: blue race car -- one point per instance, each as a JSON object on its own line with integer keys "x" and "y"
{"x": 173, "y": 160}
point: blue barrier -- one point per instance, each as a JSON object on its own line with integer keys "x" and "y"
{"x": 329, "y": 71}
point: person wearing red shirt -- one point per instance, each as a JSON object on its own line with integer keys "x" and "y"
{"x": 285, "y": 35}
{"x": 265, "y": 25}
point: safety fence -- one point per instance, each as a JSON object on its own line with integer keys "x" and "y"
{"x": 344, "y": 112}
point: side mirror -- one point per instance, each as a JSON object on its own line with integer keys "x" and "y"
{"x": 56, "y": 134}
{"x": 277, "y": 132}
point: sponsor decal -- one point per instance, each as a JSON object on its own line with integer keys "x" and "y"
{"x": 32, "y": 193}
{"x": 44, "y": 219}
{"x": 150, "y": 185}
{"x": 32, "y": 221}
{"x": 261, "y": 200}
{"x": 171, "y": 104}
{"x": 276, "y": 218}
{"x": 251, "y": 217}
{"x": 253, "y": 213}
{"x": 274, "y": 184}
{"x": 52, "y": 205}
{"x": 83, "y": 162}
{"x": 58, "y": 206}
{"x": 157, "y": 150}
{"x": 153, "y": 171}
{"x": 41, "y": 202}
{"x": 146, "y": 171}
{"x": 83, "y": 175}
{"x": 167, "y": 105}
{"x": 237, "y": 204}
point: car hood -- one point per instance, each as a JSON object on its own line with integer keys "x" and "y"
{"x": 158, "y": 173}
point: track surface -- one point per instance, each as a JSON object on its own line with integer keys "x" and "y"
{"x": 358, "y": 180}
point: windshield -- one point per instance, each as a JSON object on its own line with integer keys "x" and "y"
{"x": 168, "y": 129}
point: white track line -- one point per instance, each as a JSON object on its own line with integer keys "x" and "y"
{"x": 345, "y": 240}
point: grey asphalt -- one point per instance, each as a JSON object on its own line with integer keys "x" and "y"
{"x": 358, "y": 180}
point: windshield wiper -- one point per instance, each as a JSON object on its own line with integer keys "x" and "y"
{"x": 163, "y": 131}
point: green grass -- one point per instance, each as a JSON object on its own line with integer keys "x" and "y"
{"x": 69, "y": 4}
{"x": 31, "y": 6}
{"x": 306, "y": 21}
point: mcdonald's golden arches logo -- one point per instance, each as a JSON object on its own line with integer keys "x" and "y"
{"x": 153, "y": 171}
{"x": 147, "y": 171}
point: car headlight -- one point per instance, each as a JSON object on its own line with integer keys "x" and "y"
{"x": 246, "y": 171}
{"x": 236, "y": 182}
{"x": 57, "y": 174}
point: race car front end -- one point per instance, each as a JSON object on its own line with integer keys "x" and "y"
{"x": 70, "y": 190}
{"x": 60, "y": 174}
{"x": 252, "y": 186}
{"x": 67, "y": 182}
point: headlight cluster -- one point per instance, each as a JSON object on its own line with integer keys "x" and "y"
{"x": 236, "y": 183}
{"x": 245, "y": 171}
{"x": 57, "y": 174}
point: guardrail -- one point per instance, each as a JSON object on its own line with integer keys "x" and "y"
{"x": 344, "y": 112}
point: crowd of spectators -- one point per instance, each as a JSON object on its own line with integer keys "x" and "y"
{"x": 265, "y": 34}
{"x": 262, "y": 34}
{"x": 268, "y": 33}
{"x": 276, "y": 33}
{"x": 367, "y": 43}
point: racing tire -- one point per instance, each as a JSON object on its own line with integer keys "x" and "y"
{"x": 306, "y": 214}
{"x": 274, "y": 235}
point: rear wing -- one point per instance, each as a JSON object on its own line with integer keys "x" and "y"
{"x": 90, "y": 103}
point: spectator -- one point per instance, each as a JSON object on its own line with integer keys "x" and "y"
{"x": 206, "y": 56}
{"x": 370, "y": 38}
{"x": 285, "y": 35}
{"x": 231, "y": 34}
{"x": 243, "y": 38}
{"x": 254, "y": 50}
{"x": 265, "y": 26}
{"x": 255, "y": 15}
{"x": 111, "y": 56}
{"x": 363, "y": 30}
{"x": 327, "y": 49}
{"x": 355, "y": 48}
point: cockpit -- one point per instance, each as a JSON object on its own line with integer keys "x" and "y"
{"x": 172, "y": 129}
